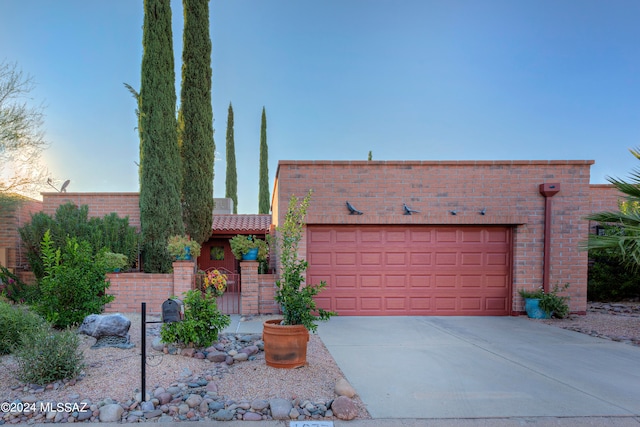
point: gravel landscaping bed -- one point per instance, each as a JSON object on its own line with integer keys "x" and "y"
{"x": 182, "y": 386}
{"x": 613, "y": 321}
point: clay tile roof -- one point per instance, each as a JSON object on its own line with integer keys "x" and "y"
{"x": 250, "y": 223}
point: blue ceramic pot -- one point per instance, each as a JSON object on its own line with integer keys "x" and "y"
{"x": 532, "y": 306}
{"x": 252, "y": 255}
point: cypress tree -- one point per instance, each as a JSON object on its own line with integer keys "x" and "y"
{"x": 195, "y": 121}
{"x": 160, "y": 177}
{"x": 231, "y": 180}
{"x": 264, "y": 201}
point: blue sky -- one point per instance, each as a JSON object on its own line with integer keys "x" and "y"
{"x": 407, "y": 79}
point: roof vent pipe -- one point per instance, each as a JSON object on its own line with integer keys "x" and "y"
{"x": 548, "y": 190}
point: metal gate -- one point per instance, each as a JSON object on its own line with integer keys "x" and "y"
{"x": 229, "y": 302}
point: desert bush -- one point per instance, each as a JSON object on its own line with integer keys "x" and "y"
{"x": 110, "y": 232}
{"x": 202, "y": 321}
{"x": 48, "y": 356}
{"x": 73, "y": 285}
{"x": 610, "y": 278}
{"x": 17, "y": 323}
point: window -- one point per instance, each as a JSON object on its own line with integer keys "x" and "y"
{"x": 217, "y": 253}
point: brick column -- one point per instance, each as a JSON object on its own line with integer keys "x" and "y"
{"x": 250, "y": 287}
{"x": 183, "y": 277}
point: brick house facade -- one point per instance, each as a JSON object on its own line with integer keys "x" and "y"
{"x": 385, "y": 261}
{"x": 491, "y": 200}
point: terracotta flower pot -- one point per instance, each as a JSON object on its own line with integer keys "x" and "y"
{"x": 285, "y": 346}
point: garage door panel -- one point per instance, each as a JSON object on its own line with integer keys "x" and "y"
{"x": 420, "y": 259}
{"x": 443, "y": 258}
{"x": 371, "y": 236}
{"x": 345, "y": 281}
{"x": 471, "y": 304}
{"x": 320, "y": 258}
{"x": 371, "y": 258}
{"x": 411, "y": 270}
{"x": 395, "y": 303}
{"x": 471, "y": 281}
{"x": 471, "y": 259}
{"x": 395, "y": 280}
{"x": 419, "y": 281}
{"x": 371, "y": 281}
{"x": 445, "y": 281}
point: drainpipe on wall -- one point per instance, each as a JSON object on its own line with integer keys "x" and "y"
{"x": 548, "y": 190}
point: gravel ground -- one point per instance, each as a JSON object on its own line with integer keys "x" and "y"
{"x": 115, "y": 373}
{"x": 614, "y": 321}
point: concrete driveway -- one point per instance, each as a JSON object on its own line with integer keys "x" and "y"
{"x": 474, "y": 367}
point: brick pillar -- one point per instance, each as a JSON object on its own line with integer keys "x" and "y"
{"x": 183, "y": 277}
{"x": 250, "y": 288}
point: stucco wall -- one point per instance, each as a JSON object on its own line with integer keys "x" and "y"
{"x": 509, "y": 190}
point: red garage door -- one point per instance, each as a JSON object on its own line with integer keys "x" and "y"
{"x": 400, "y": 270}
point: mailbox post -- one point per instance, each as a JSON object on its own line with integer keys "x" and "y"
{"x": 172, "y": 311}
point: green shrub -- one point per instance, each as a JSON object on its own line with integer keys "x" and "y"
{"x": 554, "y": 304}
{"x": 610, "y": 278}
{"x": 49, "y": 356}
{"x": 16, "y": 323}
{"x": 73, "y": 285}
{"x": 201, "y": 324}
{"x": 110, "y": 232}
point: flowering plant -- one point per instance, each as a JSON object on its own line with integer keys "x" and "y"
{"x": 216, "y": 281}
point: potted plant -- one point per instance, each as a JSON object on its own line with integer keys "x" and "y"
{"x": 183, "y": 248}
{"x": 285, "y": 340}
{"x": 543, "y": 305}
{"x": 249, "y": 248}
{"x": 114, "y": 262}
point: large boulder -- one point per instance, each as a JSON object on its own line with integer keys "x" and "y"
{"x": 103, "y": 325}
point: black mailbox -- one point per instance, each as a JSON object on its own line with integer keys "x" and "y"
{"x": 172, "y": 310}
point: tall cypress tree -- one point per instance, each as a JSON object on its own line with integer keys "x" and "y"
{"x": 263, "y": 195}
{"x": 231, "y": 181}
{"x": 160, "y": 177}
{"x": 195, "y": 121}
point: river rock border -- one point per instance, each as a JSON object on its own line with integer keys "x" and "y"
{"x": 191, "y": 398}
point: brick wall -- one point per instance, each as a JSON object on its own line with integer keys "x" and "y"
{"x": 100, "y": 204}
{"x": 131, "y": 289}
{"x": 507, "y": 189}
{"x": 266, "y": 294}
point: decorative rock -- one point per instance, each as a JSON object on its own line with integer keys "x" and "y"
{"x": 344, "y": 408}
{"x": 223, "y": 415}
{"x": 259, "y": 405}
{"x": 232, "y": 353}
{"x": 212, "y": 388}
{"x": 204, "y": 407}
{"x": 250, "y": 350}
{"x": 188, "y": 352}
{"x": 147, "y": 406}
{"x": 241, "y": 357}
{"x": 183, "y": 409}
{"x": 165, "y": 398}
{"x": 216, "y": 356}
{"x": 280, "y": 408}
{"x": 84, "y": 415}
{"x": 29, "y": 398}
{"x": 343, "y": 388}
{"x": 157, "y": 344}
{"x": 111, "y": 413}
{"x": 252, "y": 416}
{"x": 294, "y": 414}
{"x": 216, "y": 406}
{"x": 153, "y": 414}
{"x": 101, "y": 325}
{"x": 165, "y": 419}
{"x": 229, "y": 360}
{"x": 138, "y": 397}
{"x": 193, "y": 400}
